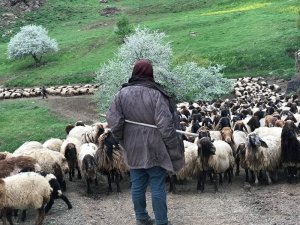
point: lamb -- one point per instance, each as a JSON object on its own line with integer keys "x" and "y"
{"x": 290, "y": 147}
{"x": 263, "y": 154}
{"x": 53, "y": 144}
{"x": 87, "y": 164}
{"x": 23, "y": 191}
{"x": 70, "y": 148}
{"x": 110, "y": 160}
{"x": 216, "y": 157}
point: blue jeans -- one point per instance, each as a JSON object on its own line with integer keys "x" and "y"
{"x": 140, "y": 178}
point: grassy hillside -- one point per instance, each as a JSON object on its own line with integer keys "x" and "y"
{"x": 17, "y": 123}
{"x": 253, "y": 38}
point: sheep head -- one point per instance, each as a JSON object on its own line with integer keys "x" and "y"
{"x": 71, "y": 154}
{"x": 98, "y": 129}
{"x": 289, "y": 130}
{"x": 253, "y": 123}
{"x": 227, "y": 134}
{"x": 254, "y": 141}
{"x": 69, "y": 128}
{"x": 205, "y": 147}
{"x": 241, "y": 149}
{"x": 89, "y": 165}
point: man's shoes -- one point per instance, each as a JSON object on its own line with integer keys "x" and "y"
{"x": 148, "y": 221}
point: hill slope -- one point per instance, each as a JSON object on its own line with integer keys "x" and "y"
{"x": 256, "y": 37}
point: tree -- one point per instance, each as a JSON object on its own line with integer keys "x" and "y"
{"x": 188, "y": 82}
{"x": 31, "y": 40}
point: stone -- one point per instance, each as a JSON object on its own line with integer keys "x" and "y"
{"x": 293, "y": 85}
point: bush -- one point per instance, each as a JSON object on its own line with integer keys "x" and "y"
{"x": 123, "y": 28}
{"x": 31, "y": 40}
{"x": 187, "y": 82}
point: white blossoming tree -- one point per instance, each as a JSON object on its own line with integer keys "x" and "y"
{"x": 31, "y": 40}
{"x": 188, "y": 82}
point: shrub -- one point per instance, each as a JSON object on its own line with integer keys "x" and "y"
{"x": 187, "y": 82}
{"x": 31, "y": 40}
{"x": 123, "y": 28}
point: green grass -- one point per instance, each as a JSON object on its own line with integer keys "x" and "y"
{"x": 27, "y": 120}
{"x": 251, "y": 38}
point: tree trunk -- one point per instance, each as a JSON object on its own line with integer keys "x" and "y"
{"x": 36, "y": 59}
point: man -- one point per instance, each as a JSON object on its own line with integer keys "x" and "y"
{"x": 44, "y": 92}
{"x": 149, "y": 152}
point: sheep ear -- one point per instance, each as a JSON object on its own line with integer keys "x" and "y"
{"x": 263, "y": 144}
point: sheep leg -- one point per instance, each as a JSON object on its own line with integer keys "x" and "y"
{"x": 4, "y": 216}
{"x": 23, "y": 216}
{"x": 96, "y": 181}
{"x": 237, "y": 162}
{"x": 117, "y": 180}
{"x": 49, "y": 205}
{"x": 269, "y": 178}
{"x": 41, "y": 216}
{"x": 203, "y": 181}
{"x": 230, "y": 173}
{"x": 256, "y": 177}
{"x": 109, "y": 183}
{"x": 66, "y": 200}
{"x": 15, "y": 213}
{"x": 70, "y": 175}
{"x": 9, "y": 216}
{"x": 89, "y": 191}
{"x": 247, "y": 175}
{"x": 78, "y": 173}
{"x": 172, "y": 188}
{"x": 215, "y": 177}
{"x": 220, "y": 179}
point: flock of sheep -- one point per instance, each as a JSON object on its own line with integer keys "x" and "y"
{"x": 66, "y": 90}
{"x": 33, "y": 176}
{"x": 258, "y": 131}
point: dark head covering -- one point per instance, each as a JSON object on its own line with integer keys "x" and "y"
{"x": 142, "y": 70}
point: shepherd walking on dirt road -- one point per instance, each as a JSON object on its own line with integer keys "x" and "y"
{"x": 148, "y": 152}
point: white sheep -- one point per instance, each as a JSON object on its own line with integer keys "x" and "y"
{"x": 50, "y": 161}
{"x": 191, "y": 168}
{"x": 263, "y": 154}
{"x": 268, "y": 131}
{"x": 53, "y": 144}
{"x": 87, "y": 163}
{"x": 216, "y": 157}
{"x": 23, "y": 191}
{"x": 239, "y": 137}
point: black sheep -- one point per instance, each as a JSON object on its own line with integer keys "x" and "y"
{"x": 290, "y": 149}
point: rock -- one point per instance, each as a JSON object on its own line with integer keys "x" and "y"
{"x": 293, "y": 85}
{"x": 103, "y": 1}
